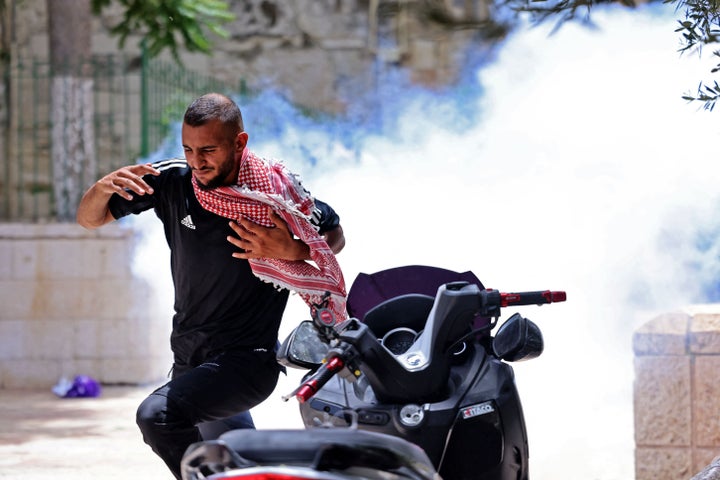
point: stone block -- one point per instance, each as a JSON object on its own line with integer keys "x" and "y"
{"x": 704, "y": 335}
{"x": 72, "y": 263}
{"x": 86, "y": 339}
{"x": 662, "y": 401}
{"x": 47, "y": 339}
{"x": 85, "y": 366}
{"x": 707, "y": 462}
{"x": 147, "y": 338}
{"x": 25, "y": 373}
{"x": 58, "y": 299}
{"x": 6, "y": 260}
{"x": 109, "y": 299}
{"x": 133, "y": 370}
{"x": 118, "y": 338}
{"x": 662, "y": 463}
{"x": 18, "y": 299}
{"x": 47, "y": 231}
{"x": 12, "y": 333}
{"x": 706, "y": 402}
{"x": 663, "y": 335}
{"x": 106, "y": 258}
{"x": 24, "y": 259}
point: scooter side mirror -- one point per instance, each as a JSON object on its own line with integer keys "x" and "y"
{"x": 518, "y": 339}
{"x": 303, "y": 348}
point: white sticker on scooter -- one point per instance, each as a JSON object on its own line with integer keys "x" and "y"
{"x": 477, "y": 410}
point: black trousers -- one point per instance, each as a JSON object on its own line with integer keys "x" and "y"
{"x": 218, "y": 389}
{"x": 213, "y": 429}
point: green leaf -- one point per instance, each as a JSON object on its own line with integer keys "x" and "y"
{"x": 166, "y": 23}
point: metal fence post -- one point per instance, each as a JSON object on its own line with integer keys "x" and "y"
{"x": 144, "y": 108}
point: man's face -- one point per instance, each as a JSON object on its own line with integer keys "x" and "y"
{"x": 213, "y": 153}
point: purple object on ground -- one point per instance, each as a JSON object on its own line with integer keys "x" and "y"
{"x": 81, "y": 386}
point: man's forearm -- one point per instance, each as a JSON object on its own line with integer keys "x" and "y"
{"x": 335, "y": 239}
{"x": 93, "y": 211}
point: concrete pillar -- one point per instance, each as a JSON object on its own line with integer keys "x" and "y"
{"x": 676, "y": 395}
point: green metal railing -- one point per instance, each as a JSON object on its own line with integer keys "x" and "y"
{"x": 167, "y": 90}
{"x": 135, "y": 103}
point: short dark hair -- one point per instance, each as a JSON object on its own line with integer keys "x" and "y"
{"x": 212, "y": 106}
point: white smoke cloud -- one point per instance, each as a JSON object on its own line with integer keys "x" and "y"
{"x": 584, "y": 171}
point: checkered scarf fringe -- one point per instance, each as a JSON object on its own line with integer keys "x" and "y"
{"x": 264, "y": 182}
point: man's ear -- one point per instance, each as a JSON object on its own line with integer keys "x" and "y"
{"x": 241, "y": 141}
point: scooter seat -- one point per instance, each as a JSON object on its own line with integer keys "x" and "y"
{"x": 328, "y": 448}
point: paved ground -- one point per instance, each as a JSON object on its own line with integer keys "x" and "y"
{"x": 43, "y": 437}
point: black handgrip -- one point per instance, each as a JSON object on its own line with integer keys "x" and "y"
{"x": 319, "y": 379}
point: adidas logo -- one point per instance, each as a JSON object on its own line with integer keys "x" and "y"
{"x": 187, "y": 221}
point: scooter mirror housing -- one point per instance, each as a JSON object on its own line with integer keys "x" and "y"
{"x": 518, "y": 339}
{"x": 303, "y": 348}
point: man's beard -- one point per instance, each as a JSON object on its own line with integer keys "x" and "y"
{"x": 214, "y": 183}
{"x": 219, "y": 179}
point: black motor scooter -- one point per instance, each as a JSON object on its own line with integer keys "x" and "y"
{"x": 416, "y": 384}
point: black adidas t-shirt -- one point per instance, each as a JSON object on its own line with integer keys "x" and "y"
{"x": 219, "y": 304}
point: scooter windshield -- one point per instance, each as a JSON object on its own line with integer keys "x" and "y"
{"x": 369, "y": 290}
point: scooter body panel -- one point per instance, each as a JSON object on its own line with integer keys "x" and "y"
{"x": 476, "y": 432}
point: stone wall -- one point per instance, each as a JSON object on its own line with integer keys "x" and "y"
{"x": 320, "y": 53}
{"x": 72, "y": 304}
{"x": 677, "y": 394}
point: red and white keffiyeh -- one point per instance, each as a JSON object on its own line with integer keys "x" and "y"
{"x": 264, "y": 182}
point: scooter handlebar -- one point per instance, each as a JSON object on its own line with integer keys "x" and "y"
{"x": 311, "y": 386}
{"x": 532, "y": 298}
